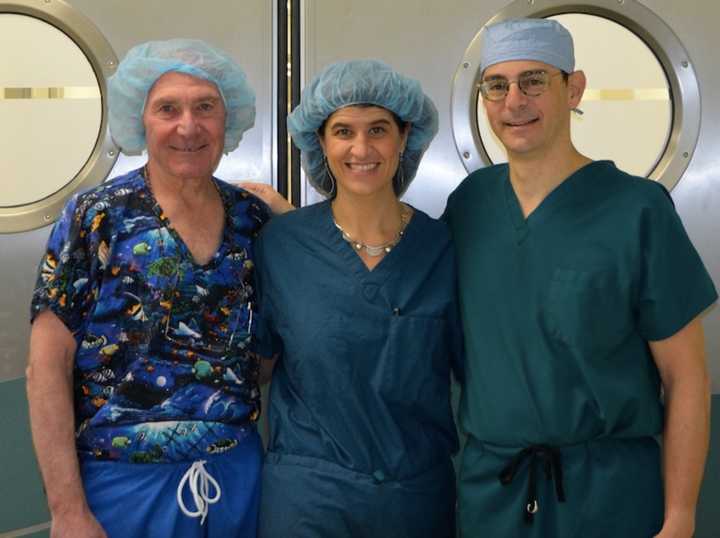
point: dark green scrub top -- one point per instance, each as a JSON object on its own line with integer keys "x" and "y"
{"x": 557, "y": 308}
{"x": 359, "y": 405}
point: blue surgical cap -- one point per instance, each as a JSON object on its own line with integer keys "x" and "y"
{"x": 540, "y": 40}
{"x": 145, "y": 63}
{"x": 354, "y": 83}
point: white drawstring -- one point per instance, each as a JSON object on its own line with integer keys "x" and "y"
{"x": 201, "y": 494}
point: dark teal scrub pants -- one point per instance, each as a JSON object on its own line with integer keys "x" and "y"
{"x": 310, "y": 498}
{"x": 612, "y": 489}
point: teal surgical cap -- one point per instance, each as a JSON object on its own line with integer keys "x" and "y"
{"x": 145, "y": 63}
{"x": 360, "y": 82}
{"x": 540, "y": 40}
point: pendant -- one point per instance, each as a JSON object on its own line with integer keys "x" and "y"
{"x": 376, "y": 251}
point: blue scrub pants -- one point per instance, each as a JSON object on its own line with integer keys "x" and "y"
{"x": 139, "y": 499}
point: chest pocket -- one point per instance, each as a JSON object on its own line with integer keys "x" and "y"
{"x": 209, "y": 311}
{"x": 398, "y": 357}
{"x": 421, "y": 348}
{"x": 586, "y": 311}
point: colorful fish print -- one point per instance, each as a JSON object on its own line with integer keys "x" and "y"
{"x": 157, "y": 374}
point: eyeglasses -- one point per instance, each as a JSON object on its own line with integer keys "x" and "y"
{"x": 531, "y": 83}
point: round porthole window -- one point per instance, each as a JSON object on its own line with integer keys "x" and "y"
{"x": 641, "y": 105}
{"x": 53, "y": 133}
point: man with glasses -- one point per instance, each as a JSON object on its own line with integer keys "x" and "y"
{"x": 143, "y": 394}
{"x": 581, "y": 295}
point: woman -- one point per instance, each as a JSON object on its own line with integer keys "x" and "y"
{"x": 357, "y": 299}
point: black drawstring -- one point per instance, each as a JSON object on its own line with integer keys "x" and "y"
{"x": 552, "y": 463}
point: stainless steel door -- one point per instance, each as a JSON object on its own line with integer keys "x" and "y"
{"x": 245, "y": 30}
{"x": 426, "y": 39}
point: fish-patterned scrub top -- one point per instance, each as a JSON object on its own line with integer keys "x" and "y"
{"x": 162, "y": 369}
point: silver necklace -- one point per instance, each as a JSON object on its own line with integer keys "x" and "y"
{"x": 378, "y": 250}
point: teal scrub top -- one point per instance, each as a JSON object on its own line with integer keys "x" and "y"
{"x": 363, "y": 378}
{"x": 558, "y": 307}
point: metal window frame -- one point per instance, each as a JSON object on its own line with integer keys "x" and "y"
{"x": 288, "y": 97}
{"x": 103, "y": 60}
{"x": 647, "y": 26}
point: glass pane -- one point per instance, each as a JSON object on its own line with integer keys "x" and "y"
{"x": 627, "y": 107}
{"x": 50, "y": 107}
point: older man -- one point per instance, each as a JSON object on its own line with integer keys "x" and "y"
{"x": 143, "y": 397}
{"x": 580, "y": 296}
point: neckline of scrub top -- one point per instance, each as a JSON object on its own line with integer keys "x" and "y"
{"x": 344, "y": 249}
{"x": 219, "y": 254}
{"x": 549, "y": 204}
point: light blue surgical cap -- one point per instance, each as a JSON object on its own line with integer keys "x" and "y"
{"x": 540, "y": 40}
{"x": 145, "y": 63}
{"x": 362, "y": 82}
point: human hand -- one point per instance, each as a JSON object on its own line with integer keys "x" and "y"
{"x": 81, "y": 524}
{"x": 278, "y": 204}
{"x": 677, "y": 527}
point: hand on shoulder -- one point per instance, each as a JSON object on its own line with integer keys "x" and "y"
{"x": 277, "y": 203}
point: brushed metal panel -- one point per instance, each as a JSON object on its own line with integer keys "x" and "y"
{"x": 20, "y": 254}
{"x": 426, "y": 40}
{"x": 697, "y": 195}
{"x": 423, "y": 39}
{"x": 245, "y": 30}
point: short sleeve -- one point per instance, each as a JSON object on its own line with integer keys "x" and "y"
{"x": 674, "y": 286}
{"x": 64, "y": 281}
{"x": 266, "y": 343}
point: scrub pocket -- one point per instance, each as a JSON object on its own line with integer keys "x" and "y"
{"x": 586, "y": 310}
{"x": 214, "y": 325}
{"x": 418, "y": 358}
{"x": 403, "y": 358}
{"x": 305, "y": 497}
